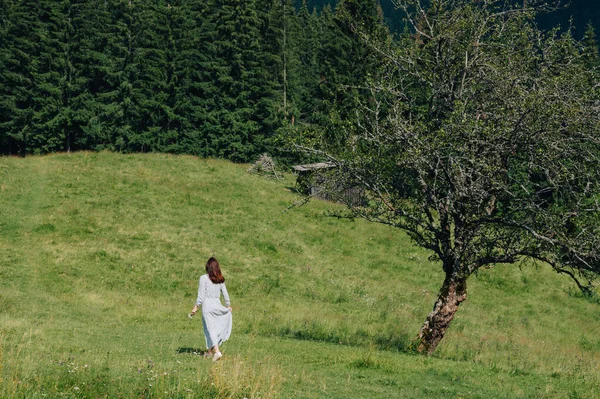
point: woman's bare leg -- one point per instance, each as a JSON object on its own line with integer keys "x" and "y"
{"x": 217, "y": 353}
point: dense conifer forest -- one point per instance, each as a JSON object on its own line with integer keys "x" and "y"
{"x": 218, "y": 78}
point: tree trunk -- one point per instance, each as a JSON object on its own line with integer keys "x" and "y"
{"x": 452, "y": 293}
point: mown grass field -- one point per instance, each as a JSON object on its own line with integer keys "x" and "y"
{"x": 100, "y": 255}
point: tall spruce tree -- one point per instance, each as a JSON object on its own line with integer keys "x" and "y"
{"x": 345, "y": 63}
{"x": 70, "y": 72}
{"x": 20, "y": 50}
{"x": 361, "y": 21}
{"x": 4, "y": 59}
{"x": 150, "y": 69}
{"x": 117, "y": 112}
{"x": 91, "y": 91}
{"x": 244, "y": 112}
{"x": 279, "y": 46}
{"x": 333, "y": 66}
{"x": 182, "y": 58}
{"x": 196, "y": 92}
{"x": 590, "y": 47}
{"x": 55, "y": 83}
{"x": 308, "y": 42}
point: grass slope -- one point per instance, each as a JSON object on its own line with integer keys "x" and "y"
{"x": 99, "y": 260}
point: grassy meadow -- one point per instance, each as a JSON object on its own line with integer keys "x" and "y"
{"x": 100, "y": 256}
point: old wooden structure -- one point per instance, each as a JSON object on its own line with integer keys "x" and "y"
{"x": 314, "y": 180}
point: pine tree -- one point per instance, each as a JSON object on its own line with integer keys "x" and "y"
{"x": 590, "y": 48}
{"x": 197, "y": 91}
{"x": 5, "y": 105}
{"x": 335, "y": 67}
{"x": 91, "y": 89}
{"x": 122, "y": 110}
{"x": 150, "y": 60}
{"x": 55, "y": 80}
{"x": 113, "y": 122}
{"x": 244, "y": 111}
{"x": 308, "y": 73}
{"x": 180, "y": 55}
{"x": 279, "y": 38}
{"x": 19, "y": 52}
{"x": 346, "y": 58}
{"x": 361, "y": 21}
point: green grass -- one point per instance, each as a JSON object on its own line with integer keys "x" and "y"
{"x": 100, "y": 255}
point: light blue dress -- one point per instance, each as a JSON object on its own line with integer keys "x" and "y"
{"x": 216, "y": 318}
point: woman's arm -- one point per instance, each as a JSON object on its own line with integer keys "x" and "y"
{"x": 200, "y": 291}
{"x": 199, "y": 298}
{"x": 225, "y": 295}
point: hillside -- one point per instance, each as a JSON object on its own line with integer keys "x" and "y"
{"x": 100, "y": 254}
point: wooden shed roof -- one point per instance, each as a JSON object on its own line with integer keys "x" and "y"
{"x": 313, "y": 166}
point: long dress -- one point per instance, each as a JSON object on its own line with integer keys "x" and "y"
{"x": 216, "y": 318}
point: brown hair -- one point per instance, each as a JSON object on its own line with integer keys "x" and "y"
{"x": 214, "y": 271}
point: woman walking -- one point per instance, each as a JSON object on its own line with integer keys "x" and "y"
{"x": 216, "y": 318}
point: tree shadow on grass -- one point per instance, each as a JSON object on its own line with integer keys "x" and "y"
{"x": 193, "y": 351}
{"x": 389, "y": 341}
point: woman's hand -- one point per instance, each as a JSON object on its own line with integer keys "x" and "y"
{"x": 195, "y": 309}
{"x": 229, "y": 307}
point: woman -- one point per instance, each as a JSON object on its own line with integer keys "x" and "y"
{"x": 216, "y": 318}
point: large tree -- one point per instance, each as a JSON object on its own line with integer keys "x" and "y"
{"x": 481, "y": 140}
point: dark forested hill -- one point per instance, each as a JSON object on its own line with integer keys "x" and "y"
{"x": 218, "y": 78}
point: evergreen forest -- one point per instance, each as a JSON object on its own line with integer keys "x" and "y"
{"x": 214, "y": 78}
